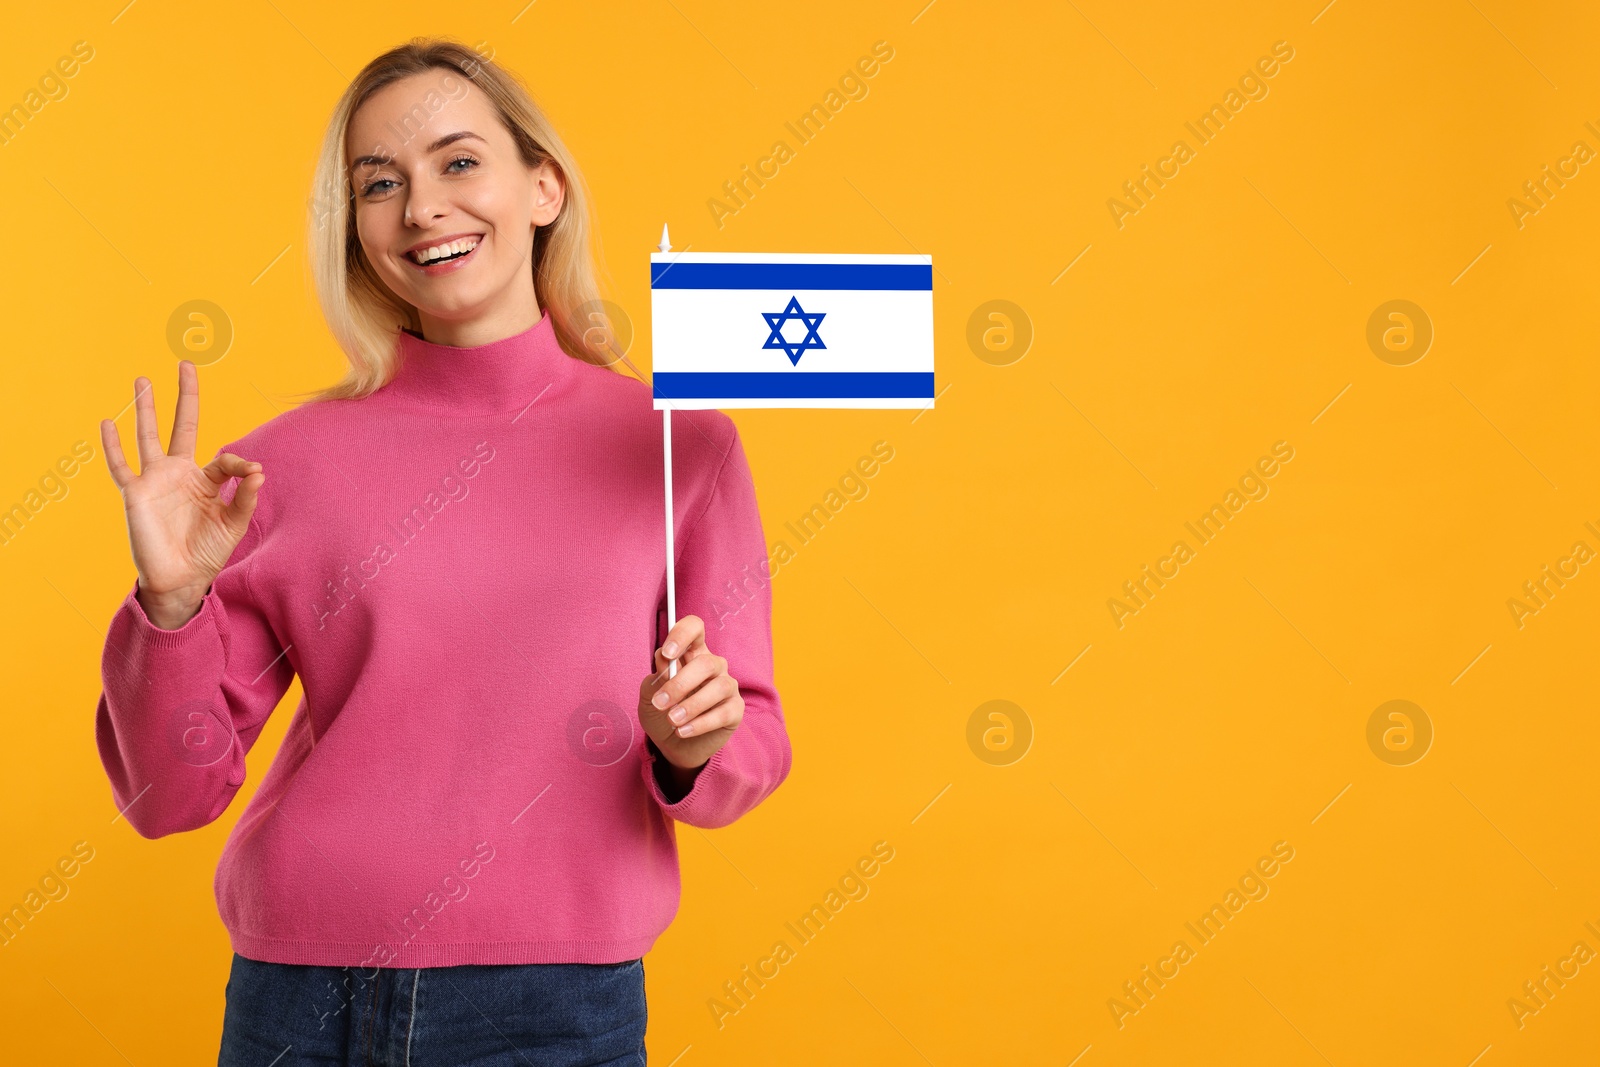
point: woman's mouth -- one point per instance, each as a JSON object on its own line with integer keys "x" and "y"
{"x": 446, "y": 257}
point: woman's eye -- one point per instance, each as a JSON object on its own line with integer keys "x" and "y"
{"x": 372, "y": 187}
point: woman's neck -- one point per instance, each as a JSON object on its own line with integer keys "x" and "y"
{"x": 507, "y": 319}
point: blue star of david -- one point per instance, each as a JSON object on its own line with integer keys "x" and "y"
{"x": 793, "y": 349}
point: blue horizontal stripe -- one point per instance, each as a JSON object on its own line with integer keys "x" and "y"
{"x": 791, "y": 276}
{"x": 782, "y": 385}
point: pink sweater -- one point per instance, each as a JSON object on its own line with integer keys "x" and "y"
{"x": 467, "y": 571}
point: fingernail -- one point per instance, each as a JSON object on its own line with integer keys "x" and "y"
{"x": 679, "y": 715}
{"x": 670, "y": 649}
{"x": 661, "y": 700}
{"x": 683, "y": 731}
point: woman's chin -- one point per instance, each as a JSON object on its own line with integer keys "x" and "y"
{"x": 454, "y": 307}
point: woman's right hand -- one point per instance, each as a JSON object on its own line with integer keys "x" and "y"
{"x": 181, "y": 532}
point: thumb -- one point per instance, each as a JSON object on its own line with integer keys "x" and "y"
{"x": 244, "y": 501}
{"x": 238, "y": 512}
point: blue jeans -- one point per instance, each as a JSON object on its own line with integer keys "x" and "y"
{"x": 529, "y": 1015}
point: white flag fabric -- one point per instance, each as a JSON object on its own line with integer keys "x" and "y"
{"x": 791, "y": 330}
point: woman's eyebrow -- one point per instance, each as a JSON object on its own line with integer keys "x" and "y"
{"x": 443, "y": 142}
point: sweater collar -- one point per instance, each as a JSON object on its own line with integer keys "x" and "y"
{"x": 501, "y": 376}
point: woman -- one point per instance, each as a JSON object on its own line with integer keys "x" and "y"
{"x": 465, "y": 844}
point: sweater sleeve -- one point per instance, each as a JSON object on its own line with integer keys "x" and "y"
{"x": 722, "y": 576}
{"x": 179, "y": 709}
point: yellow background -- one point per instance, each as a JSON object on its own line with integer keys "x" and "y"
{"x": 1226, "y": 315}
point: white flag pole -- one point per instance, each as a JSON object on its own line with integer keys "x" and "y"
{"x": 666, "y": 453}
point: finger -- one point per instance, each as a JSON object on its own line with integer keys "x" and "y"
{"x": 244, "y": 501}
{"x": 689, "y": 678}
{"x": 729, "y": 713}
{"x": 716, "y": 689}
{"x": 116, "y": 462}
{"x": 693, "y": 652}
{"x": 186, "y": 419}
{"x": 225, "y": 465}
{"x": 675, "y": 684}
{"x": 698, "y": 649}
{"x": 651, "y": 683}
{"x": 144, "y": 423}
{"x": 683, "y": 636}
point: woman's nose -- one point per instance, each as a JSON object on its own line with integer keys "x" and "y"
{"x": 425, "y": 201}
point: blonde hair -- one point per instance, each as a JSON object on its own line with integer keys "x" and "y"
{"x": 362, "y": 314}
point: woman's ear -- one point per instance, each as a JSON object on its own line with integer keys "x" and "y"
{"x": 549, "y": 192}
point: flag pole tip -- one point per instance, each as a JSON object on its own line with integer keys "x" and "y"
{"x": 666, "y": 242}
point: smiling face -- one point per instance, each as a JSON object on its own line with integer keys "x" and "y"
{"x": 446, "y": 217}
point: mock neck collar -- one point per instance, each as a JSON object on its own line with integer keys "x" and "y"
{"x": 501, "y": 376}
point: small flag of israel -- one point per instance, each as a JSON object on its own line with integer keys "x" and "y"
{"x": 791, "y": 330}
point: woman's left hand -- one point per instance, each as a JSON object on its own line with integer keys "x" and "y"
{"x": 692, "y": 714}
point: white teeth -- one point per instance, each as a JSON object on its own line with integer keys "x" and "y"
{"x": 449, "y": 248}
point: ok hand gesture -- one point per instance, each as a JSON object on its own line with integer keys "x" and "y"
{"x": 180, "y": 531}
